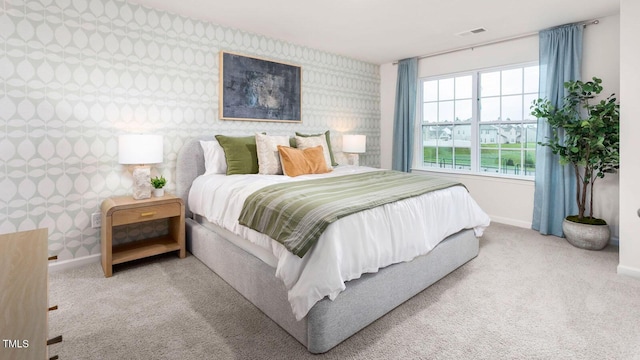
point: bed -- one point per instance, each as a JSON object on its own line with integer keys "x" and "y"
{"x": 324, "y": 323}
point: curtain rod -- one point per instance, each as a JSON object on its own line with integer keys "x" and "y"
{"x": 516, "y": 37}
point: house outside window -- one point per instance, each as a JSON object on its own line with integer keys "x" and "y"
{"x": 480, "y": 121}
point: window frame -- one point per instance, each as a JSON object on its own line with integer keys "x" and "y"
{"x": 475, "y": 122}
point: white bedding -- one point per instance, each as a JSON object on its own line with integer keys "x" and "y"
{"x": 346, "y": 249}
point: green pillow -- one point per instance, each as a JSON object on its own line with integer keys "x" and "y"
{"x": 241, "y": 154}
{"x": 328, "y": 136}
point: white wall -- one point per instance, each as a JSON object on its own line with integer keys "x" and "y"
{"x": 601, "y": 58}
{"x": 507, "y": 200}
{"x": 388, "y": 77}
{"x": 629, "y": 144}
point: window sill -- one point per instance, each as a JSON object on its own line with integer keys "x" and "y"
{"x": 509, "y": 178}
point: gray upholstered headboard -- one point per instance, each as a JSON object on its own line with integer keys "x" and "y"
{"x": 189, "y": 165}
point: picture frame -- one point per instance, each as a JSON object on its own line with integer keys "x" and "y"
{"x": 257, "y": 89}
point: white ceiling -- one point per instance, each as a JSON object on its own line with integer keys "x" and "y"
{"x": 382, "y": 31}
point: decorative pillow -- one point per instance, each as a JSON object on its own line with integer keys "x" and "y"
{"x": 313, "y": 141}
{"x": 327, "y": 135}
{"x": 268, "y": 158}
{"x": 240, "y": 154}
{"x": 299, "y": 162}
{"x": 214, "y": 160}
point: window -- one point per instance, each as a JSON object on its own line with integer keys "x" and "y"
{"x": 481, "y": 121}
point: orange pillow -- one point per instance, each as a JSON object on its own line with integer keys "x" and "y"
{"x": 299, "y": 162}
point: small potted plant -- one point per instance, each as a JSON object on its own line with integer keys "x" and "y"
{"x": 590, "y": 143}
{"x": 158, "y": 183}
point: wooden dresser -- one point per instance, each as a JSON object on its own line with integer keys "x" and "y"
{"x": 24, "y": 295}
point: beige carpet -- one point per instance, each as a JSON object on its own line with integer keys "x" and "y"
{"x": 525, "y": 296}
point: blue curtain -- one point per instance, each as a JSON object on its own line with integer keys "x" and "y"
{"x": 404, "y": 115}
{"x": 555, "y": 187}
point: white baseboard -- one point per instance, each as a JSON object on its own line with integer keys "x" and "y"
{"x": 509, "y": 221}
{"x": 527, "y": 225}
{"x": 628, "y": 271}
{"x": 55, "y": 266}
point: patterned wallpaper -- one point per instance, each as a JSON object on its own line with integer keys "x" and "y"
{"x": 78, "y": 73}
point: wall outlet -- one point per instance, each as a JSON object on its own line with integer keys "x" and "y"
{"x": 96, "y": 220}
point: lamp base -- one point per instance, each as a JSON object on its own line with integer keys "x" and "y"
{"x": 353, "y": 159}
{"x": 141, "y": 182}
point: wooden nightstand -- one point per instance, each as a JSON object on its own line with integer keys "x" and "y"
{"x": 125, "y": 210}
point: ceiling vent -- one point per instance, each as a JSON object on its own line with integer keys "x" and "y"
{"x": 472, "y": 32}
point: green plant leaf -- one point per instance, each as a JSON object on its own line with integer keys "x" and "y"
{"x": 584, "y": 134}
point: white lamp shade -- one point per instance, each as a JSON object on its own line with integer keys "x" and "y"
{"x": 354, "y": 143}
{"x": 140, "y": 149}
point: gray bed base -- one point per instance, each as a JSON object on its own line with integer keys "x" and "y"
{"x": 329, "y": 322}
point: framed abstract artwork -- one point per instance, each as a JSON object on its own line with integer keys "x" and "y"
{"x": 258, "y": 89}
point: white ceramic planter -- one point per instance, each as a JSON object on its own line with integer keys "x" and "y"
{"x": 158, "y": 192}
{"x": 584, "y": 236}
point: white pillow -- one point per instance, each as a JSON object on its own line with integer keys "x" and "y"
{"x": 268, "y": 158}
{"x": 313, "y": 141}
{"x": 214, "y": 160}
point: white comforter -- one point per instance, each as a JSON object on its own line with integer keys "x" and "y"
{"x": 357, "y": 244}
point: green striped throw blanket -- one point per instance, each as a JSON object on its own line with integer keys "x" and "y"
{"x": 296, "y": 213}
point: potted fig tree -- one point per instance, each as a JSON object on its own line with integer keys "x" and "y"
{"x": 589, "y": 143}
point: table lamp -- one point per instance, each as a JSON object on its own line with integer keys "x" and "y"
{"x": 140, "y": 150}
{"x": 354, "y": 145}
